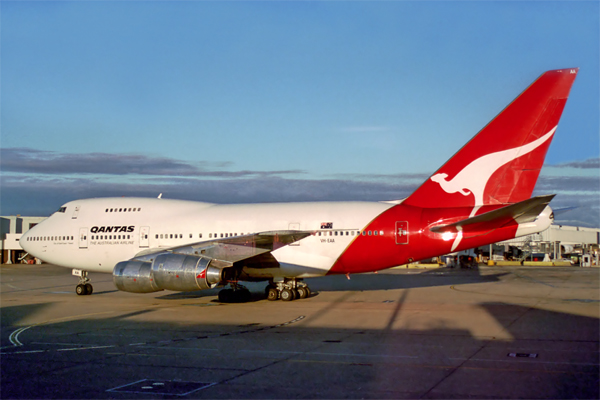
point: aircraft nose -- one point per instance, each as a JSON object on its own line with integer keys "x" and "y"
{"x": 24, "y": 240}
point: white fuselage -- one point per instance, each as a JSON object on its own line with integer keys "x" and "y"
{"x": 96, "y": 234}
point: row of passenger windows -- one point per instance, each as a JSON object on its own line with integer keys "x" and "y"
{"x": 123, "y": 209}
{"x": 48, "y": 238}
{"x": 174, "y": 236}
{"x": 226, "y": 235}
{"x": 351, "y": 233}
{"x": 109, "y": 237}
{"x": 180, "y": 235}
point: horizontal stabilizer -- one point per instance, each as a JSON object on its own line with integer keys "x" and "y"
{"x": 522, "y": 212}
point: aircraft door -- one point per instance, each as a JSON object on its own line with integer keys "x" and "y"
{"x": 144, "y": 234}
{"x": 401, "y": 232}
{"x": 75, "y": 213}
{"x": 83, "y": 238}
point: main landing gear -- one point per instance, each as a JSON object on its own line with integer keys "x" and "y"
{"x": 237, "y": 294}
{"x": 287, "y": 290}
{"x": 84, "y": 287}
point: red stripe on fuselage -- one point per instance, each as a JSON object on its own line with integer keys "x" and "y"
{"x": 376, "y": 252}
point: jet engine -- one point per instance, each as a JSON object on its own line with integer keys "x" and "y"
{"x": 177, "y": 272}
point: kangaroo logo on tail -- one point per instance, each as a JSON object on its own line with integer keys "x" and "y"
{"x": 474, "y": 177}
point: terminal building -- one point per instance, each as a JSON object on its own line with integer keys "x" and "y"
{"x": 555, "y": 243}
{"x": 11, "y": 229}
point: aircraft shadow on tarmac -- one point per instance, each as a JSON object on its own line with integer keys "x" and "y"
{"x": 385, "y": 280}
{"x": 49, "y": 371}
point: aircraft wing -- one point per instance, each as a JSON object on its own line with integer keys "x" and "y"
{"x": 226, "y": 251}
{"x": 522, "y": 212}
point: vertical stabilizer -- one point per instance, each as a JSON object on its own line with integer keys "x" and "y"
{"x": 502, "y": 162}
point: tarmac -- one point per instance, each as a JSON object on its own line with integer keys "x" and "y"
{"x": 490, "y": 332}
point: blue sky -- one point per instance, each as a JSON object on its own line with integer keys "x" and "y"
{"x": 280, "y": 101}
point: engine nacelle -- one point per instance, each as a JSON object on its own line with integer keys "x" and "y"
{"x": 177, "y": 272}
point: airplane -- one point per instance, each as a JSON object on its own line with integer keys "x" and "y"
{"x": 481, "y": 195}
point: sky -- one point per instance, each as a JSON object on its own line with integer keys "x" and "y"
{"x": 260, "y": 101}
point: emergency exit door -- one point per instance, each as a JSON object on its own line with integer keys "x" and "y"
{"x": 401, "y": 232}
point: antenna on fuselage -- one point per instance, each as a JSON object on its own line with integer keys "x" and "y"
{"x": 160, "y": 196}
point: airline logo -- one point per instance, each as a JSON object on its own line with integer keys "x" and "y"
{"x": 326, "y": 225}
{"x": 202, "y": 274}
{"x": 112, "y": 229}
{"x": 474, "y": 177}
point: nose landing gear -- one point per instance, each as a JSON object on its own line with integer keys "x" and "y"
{"x": 84, "y": 288}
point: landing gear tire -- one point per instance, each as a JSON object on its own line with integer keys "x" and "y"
{"x": 272, "y": 294}
{"x": 287, "y": 295}
{"x": 268, "y": 288}
{"x": 303, "y": 292}
{"x": 89, "y": 289}
{"x": 80, "y": 290}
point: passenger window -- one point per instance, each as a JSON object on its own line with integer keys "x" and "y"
{"x": 200, "y": 235}
{"x": 375, "y": 233}
{"x": 139, "y": 209}
{"x": 106, "y": 210}
{"x": 369, "y": 233}
{"x": 171, "y": 236}
{"x": 210, "y": 235}
{"x": 130, "y": 210}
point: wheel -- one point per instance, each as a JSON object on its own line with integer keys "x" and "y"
{"x": 287, "y": 295}
{"x": 89, "y": 289}
{"x": 308, "y": 292}
{"x": 302, "y": 293}
{"x": 273, "y": 294}
{"x": 80, "y": 290}
{"x": 269, "y": 287}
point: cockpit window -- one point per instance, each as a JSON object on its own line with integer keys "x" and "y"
{"x": 62, "y": 209}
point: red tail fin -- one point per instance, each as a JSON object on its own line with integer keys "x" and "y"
{"x": 502, "y": 162}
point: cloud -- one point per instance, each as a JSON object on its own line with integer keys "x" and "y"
{"x": 590, "y": 163}
{"x": 42, "y": 193}
{"x": 558, "y": 184}
{"x": 26, "y": 160}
